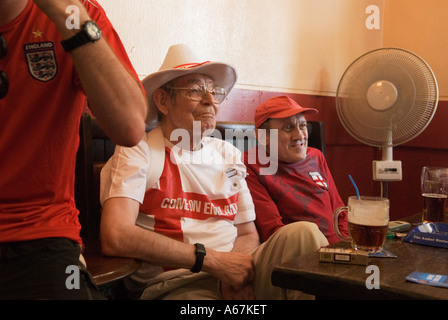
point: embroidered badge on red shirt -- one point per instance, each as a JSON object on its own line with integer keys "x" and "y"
{"x": 317, "y": 178}
{"x": 41, "y": 60}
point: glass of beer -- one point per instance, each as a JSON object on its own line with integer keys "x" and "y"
{"x": 434, "y": 185}
{"x": 368, "y": 222}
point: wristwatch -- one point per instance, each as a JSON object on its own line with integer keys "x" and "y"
{"x": 90, "y": 32}
{"x": 200, "y": 254}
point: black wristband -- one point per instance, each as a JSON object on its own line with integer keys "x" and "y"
{"x": 90, "y": 32}
{"x": 200, "y": 254}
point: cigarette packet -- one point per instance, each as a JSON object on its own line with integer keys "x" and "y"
{"x": 347, "y": 256}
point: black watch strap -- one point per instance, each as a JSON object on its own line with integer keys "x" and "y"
{"x": 200, "y": 254}
{"x": 83, "y": 36}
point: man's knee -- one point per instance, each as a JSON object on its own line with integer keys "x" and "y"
{"x": 303, "y": 235}
{"x": 300, "y": 229}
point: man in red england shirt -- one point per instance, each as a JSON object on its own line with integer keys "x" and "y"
{"x": 52, "y": 69}
{"x": 302, "y": 188}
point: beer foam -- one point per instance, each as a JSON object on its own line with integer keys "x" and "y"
{"x": 369, "y": 213}
{"x": 434, "y": 195}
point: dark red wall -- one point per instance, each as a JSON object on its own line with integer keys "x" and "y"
{"x": 346, "y": 155}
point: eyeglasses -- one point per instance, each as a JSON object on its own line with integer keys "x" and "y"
{"x": 4, "y": 82}
{"x": 197, "y": 93}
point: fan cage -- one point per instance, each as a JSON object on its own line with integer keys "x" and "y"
{"x": 417, "y": 97}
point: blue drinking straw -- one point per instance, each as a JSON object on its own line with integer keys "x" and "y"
{"x": 356, "y": 188}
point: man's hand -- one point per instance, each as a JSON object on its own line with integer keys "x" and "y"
{"x": 236, "y": 269}
{"x": 245, "y": 293}
{"x": 232, "y": 268}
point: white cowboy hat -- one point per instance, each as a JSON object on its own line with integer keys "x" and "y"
{"x": 181, "y": 60}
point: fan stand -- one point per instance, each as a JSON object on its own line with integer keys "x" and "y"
{"x": 381, "y": 96}
{"x": 388, "y": 150}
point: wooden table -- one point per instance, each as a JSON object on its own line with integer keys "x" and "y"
{"x": 107, "y": 270}
{"x": 344, "y": 281}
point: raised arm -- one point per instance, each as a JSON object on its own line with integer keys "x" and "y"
{"x": 114, "y": 95}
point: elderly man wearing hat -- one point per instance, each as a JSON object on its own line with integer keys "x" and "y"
{"x": 184, "y": 209}
{"x": 302, "y": 188}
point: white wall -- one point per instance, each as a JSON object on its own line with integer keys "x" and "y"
{"x": 300, "y": 46}
{"x": 421, "y": 27}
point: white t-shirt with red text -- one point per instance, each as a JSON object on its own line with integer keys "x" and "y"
{"x": 200, "y": 196}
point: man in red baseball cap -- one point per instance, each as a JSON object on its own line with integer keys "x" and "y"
{"x": 302, "y": 188}
{"x": 283, "y": 111}
{"x": 278, "y": 107}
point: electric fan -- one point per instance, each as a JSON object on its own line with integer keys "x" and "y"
{"x": 385, "y": 98}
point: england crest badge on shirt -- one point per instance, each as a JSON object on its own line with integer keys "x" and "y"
{"x": 318, "y": 179}
{"x": 41, "y": 60}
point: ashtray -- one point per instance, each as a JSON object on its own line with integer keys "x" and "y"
{"x": 433, "y": 234}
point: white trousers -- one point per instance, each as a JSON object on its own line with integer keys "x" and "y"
{"x": 288, "y": 242}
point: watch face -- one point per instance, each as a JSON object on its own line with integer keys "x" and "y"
{"x": 200, "y": 249}
{"x": 93, "y": 30}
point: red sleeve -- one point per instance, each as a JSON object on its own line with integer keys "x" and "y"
{"x": 268, "y": 219}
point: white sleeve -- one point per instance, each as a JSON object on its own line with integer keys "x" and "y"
{"x": 246, "y": 208}
{"x": 124, "y": 175}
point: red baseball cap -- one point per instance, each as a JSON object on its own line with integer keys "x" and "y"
{"x": 278, "y": 107}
